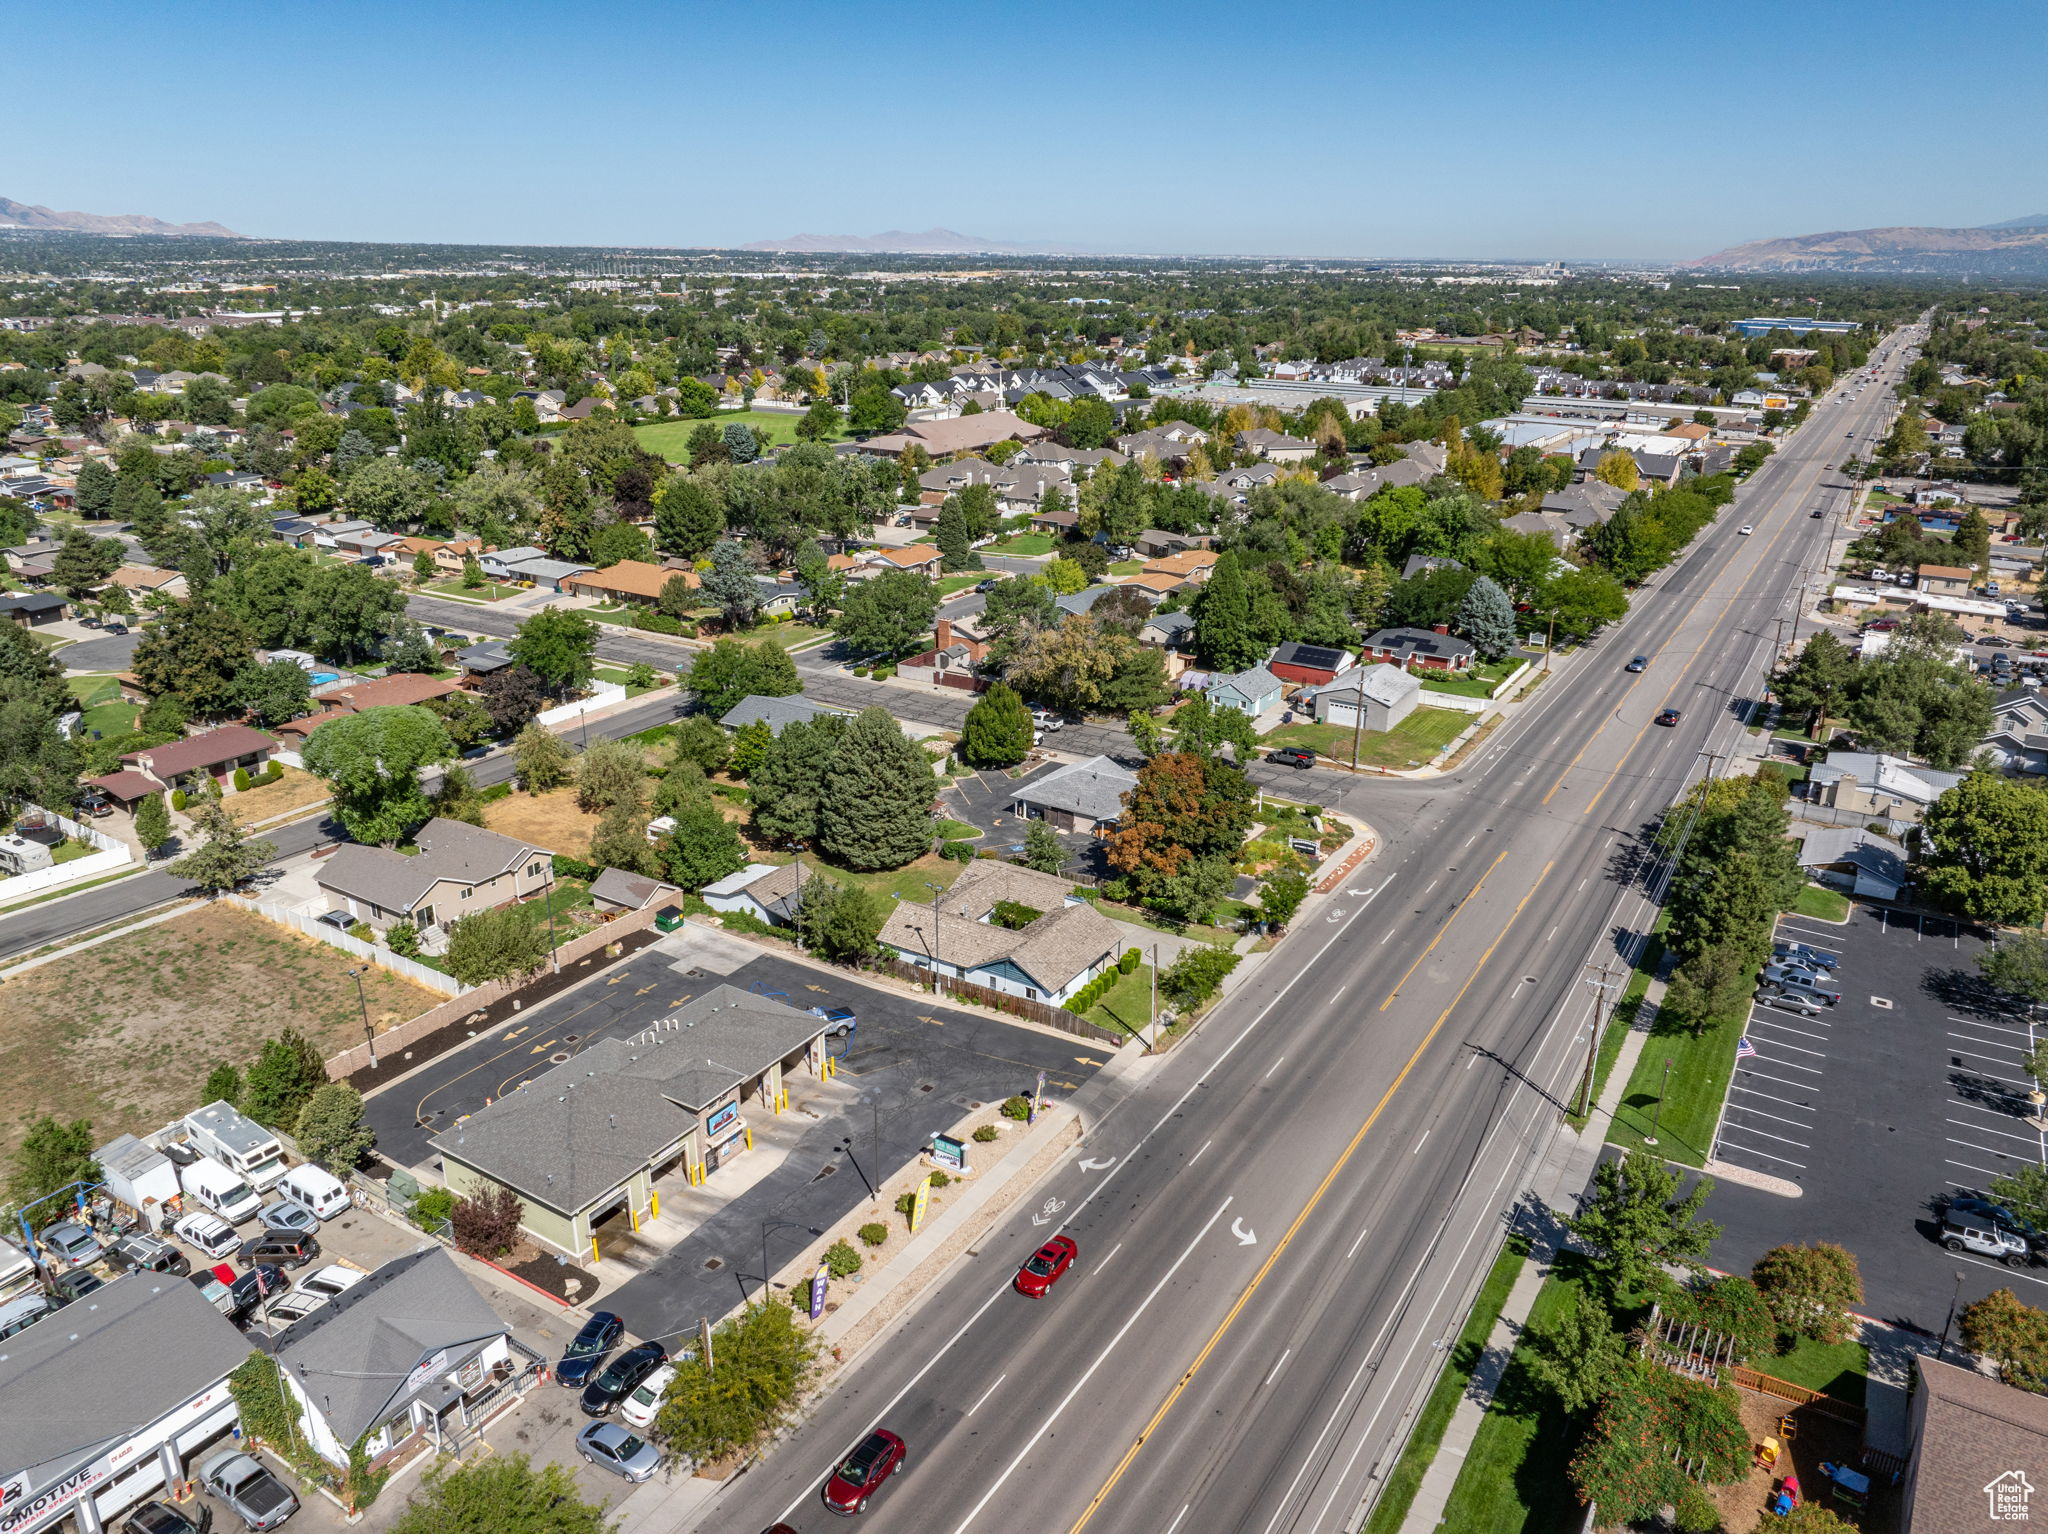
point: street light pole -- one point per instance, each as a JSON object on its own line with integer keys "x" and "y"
{"x": 554, "y": 950}
{"x": 937, "y": 975}
{"x": 846, "y": 1145}
{"x": 1657, "y": 1117}
{"x": 369, "y": 1036}
{"x": 1941, "y": 1353}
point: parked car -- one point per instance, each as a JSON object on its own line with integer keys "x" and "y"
{"x": 340, "y": 921}
{"x": 213, "y": 1236}
{"x": 148, "y": 1254}
{"x": 255, "y": 1289}
{"x": 75, "y": 1284}
{"x": 1640, "y": 663}
{"x": 114, "y": 626}
{"x": 1796, "y": 977}
{"x": 277, "y": 1247}
{"x": 216, "y": 1286}
{"x": 1977, "y": 1207}
{"x": 616, "y": 1381}
{"x": 162, "y": 1518}
{"x": 863, "y": 1472}
{"x": 1293, "y": 756}
{"x": 1963, "y": 1233}
{"x": 1784, "y": 1001}
{"x": 287, "y": 1217}
{"x": 1805, "y": 955}
{"x": 331, "y": 1280}
{"x": 71, "y": 1243}
{"x": 317, "y": 1190}
{"x": 22, "y": 1312}
{"x": 639, "y": 1408}
{"x": 839, "y": 1021}
{"x": 1046, "y": 1267}
{"x": 251, "y": 1492}
{"x": 585, "y": 1354}
{"x": 610, "y": 1447}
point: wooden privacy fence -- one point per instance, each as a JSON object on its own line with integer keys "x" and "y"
{"x": 1003, "y": 1001}
{"x": 1798, "y": 1395}
{"x": 1699, "y": 1353}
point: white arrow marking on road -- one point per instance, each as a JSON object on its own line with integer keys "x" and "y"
{"x": 1092, "y": 1165}
{"x": 1244, "y": 1237}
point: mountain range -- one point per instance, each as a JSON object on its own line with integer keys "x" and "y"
{"x": 24, "y": 215}
{"x": 896, "y": 242}
{"x": 2016, "y": 247}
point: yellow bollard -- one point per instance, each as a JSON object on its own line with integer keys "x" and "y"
{"x": 633, "y": 1215}
{"x": 593, "y": 1248}
{"x": 750, "y": 1138}
{"x": 654, "y": 1204}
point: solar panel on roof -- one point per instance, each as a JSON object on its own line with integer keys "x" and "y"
{"x": 1318, "y": 657}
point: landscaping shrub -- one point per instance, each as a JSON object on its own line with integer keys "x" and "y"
{"x": 905, "y": 1202}
{"x": 747, "y": 921}
{"x": 1016, "y": 1107}
{"x": 1011, "y": 913}
{"x": 961, "y": 852}
{"x": 1128, "y": 962}
{"x": 403, "y": 939}
{"x": 1195, "y": 975}
{"x": 574, "y": 868}
{"x": 860, "y": 671}
{"x": 487, "y": 1225}
{"x": 874, "y": 1233}
{"x": 178, "y": 800}
{"x": 273, "y": 772}
{"x": 657, "y": 623}
{"x": 986, "y": 1133}
{"x": 883, "y": 673}
{"x": 763, "y": 1360}
{"x": 361, "y": 931}
{"x": 841, "y": 1260}
{"x": 241, "y": 780}
{"x": 431, "y": 1209}
{"x": 940, "y": 1180}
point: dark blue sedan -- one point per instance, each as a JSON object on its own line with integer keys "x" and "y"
{"x": 586, "y": 1351}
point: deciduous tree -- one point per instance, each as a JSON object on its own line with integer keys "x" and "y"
{"x": 330, "y": 1128}
{"x": 789, "y": 785}
{"x": 1985, "y": 850}
{"x": 1811, "y": 1289}
{"x": 287, "y": 1072}
{"x": 512, "y": 697}
{"x": 506, "y": 1494}
{"x": 889, "y": 615}
{"x": 51, "y": 1157}
{"x": 733, "y": 669}
{"x": 1636, "y": 1223}
{"x": 372, "y": 760}
{"x": 703, "y": 848}
{"x": 611, "y": 773}
{"x": 557, "y": 645}
{"x": 2013, "y": 1335}
{"x": 225, "y": 857}
{"x": 542, "y": 758}
{"x": 492, "y": 945}
{"x": 1577, "y": 1354}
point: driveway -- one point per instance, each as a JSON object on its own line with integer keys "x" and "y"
{"x": 1908, "y": 1089}
{"x": 985, "y": 799}
{"x": 114, "y": 652}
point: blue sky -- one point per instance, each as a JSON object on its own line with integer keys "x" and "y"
{"x": 1478, "y": 129}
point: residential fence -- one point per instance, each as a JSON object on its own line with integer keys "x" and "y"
{"x": 602, "y": 695}
{"x": 1828, "y": 815}
{"x": 475, "y": 1003}
{"x": 107, "y": 855}
{"x": 285, "y": 916}
{"x": 1431, "y": 698}
{"x": 1003, "y": 1001}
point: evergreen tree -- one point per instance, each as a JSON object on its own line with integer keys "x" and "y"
{"x": 703, "y": 848}
{"x": 997, "y": 732}
{"x": 751, "y": 742}
{"x": 1223, "y": 619}
{"x": 152, "y": 823}
{"x": 730, "y": 584}
{"x": 1816, "y": 680}
{"x": 51, "y": 1157}
{"x": 789, "y": 785}
{"x": 954, "y": 543}
{"x": 223, "y": 1085}
{"x": 1487, "y": 618}
{"x": 284, "y": 1077}
{"x": 877, "y": 806}
{"x": 95, "y": 495}
{"x": 1636, "y": 1223}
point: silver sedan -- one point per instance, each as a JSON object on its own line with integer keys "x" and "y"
{"x": 610, "y": 1447}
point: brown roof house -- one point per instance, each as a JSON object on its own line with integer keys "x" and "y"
{"x": 630, "y": 580}
{"x": 215, "y": 754}
{"x": 960, "y": 434}
{"x": 399, "y": 690}
{"x": 1065, "y": 943}
{"x": 1980, "y": 1452}
{"x": 458, "y": 871}
{"x": 921, "y": 558}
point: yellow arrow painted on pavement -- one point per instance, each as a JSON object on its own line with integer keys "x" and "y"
{"x": 539, "y": 1047}
{"x": 1069, "y": 1085}
{"x": 810, "y": 987}
{"x": 643, "y": 990}
{"x": 939, "y": 1021}
{"x": 516, "y": 1032}
{"x": 615, "y": 980}
{"x": 1084, "y": 1060}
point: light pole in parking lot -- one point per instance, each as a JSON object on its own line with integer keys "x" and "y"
{"x": 1657, "y": 1116}
{"x": 1941, "y": 1353}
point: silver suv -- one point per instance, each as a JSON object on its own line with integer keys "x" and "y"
{"x": 1966, "y": 1233}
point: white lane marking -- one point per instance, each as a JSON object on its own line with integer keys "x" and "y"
{"x": 1081, "y": 1384}
{"x": 1177, "y": 1518}
{"x": 1431, "y": 885}
{"x": 1553, "y": 932}
{"x": 1752, "y": 1091}
{"x": 1767, "y": 1022}
{"x": 1418, "y": 1143}
{"x": 1751, "y": 1129}
{"x": 1197, "y": 1156}
{"x": 1582, "y": 885}
{"x": 1275, "y": 1066}
{"x": 2003, "y": 1134}
{"x": 1818, "y": 1054}
{"x": 1278, "y": 1367}
{"x": 986, "y": 1394}
{"x": 1789, "y": 1065}
{"x": 1967, "y": 1022}
{"x": 1358, "y": 1243}
{"x": 1470, "y": 840}
{"x": 1107, "y": 1260}
{"x": 1750, "y": 1150}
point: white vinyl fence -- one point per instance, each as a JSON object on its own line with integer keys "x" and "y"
{"x": 383, "y": 958}
{"x": 109, "y": 853}
{"x": 602, "y": 695}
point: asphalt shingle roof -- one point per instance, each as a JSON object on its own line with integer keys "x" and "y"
{"x": 776, "y": 712}
{"x": 1093, "y": 789}
{"x": 448, "y": 850}
{"x": 1063, "y": 942}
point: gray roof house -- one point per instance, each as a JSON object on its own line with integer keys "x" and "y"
{"x": 1049, "y": 959}
{"x": 1249, "y": 692}
{"x": 1082, "y": 796}
{"x": 1171, "y": 631}
{"x": 394, "y": 1356}
{"x": 2018, "y": 738}
{"x": 1386, "y": 694}
{"x": 130, "y": 1373}
{"x": 777, "y": 712}
{"x": 458, "y": 871}
{"x": 1868, "y": 783}
{"x": 1078, "y": 604}
{"x": 765, "y": 891}
{"x": 617, "y": 890}
{"x": 1585, "y": 504}
{"x": 589, "y": 1138}
{"x": 1422, "y": 647}
{"x": 1850, "y": 856}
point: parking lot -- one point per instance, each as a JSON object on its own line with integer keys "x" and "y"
{"x": 1909, "y": 1088}
{"x": 985, "y": 801}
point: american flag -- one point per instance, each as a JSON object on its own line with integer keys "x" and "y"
{"x": 1744, "y": 1049}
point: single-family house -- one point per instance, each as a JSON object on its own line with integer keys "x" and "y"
{"x": 33, "y": 609}
{"x": 1873, "y": 784}
{"x": 458, "y": 871}
{"x": 779, "y": 598}
{"x": 1189, "y": 566}
{"x": 777, "y": 713}
{"x": 1586, "y": 503}
{"x": 918, "y": 558}
{"x": 1154, "y": 543}
{"x": 215, "y": 754}
{"x": 1975, "y": 1443}
{"x": 1242, "y": 482}
{"x": 412, "y": 1353}
{"x": 950, "y": 662}
{"x": 1275, "y": 446}
{"x": 1308, "y": 665}
{"x": 1853, "y": 859}
{"x": 1169, "y": 443}
{"x": 1173, "y": 632}
{"x": 401, "y": 689}
{"x": 1375, "y": 697}
{"x": 144, "y": 579}
{"x": 1435, "y": 649}
{"x": 587, "y": 1142}
{"x": 632, "y": 581}
{"x": 1062, "y": 522}
{"x": 767, "y": 892}
{"x": 945, "y": 478}
{"x": 950, "y": 438}
{"x": 1550, "y": 524}
{"x": 1156, "y": 585}
{"x": 1084, "y": 797}
{"x": 366, "y": 542}
{"x": 485, "y": 659}
{"x": 1252, "y": 692}
{"x": 448, "y": 554}
{"x": 1079, "y": 604}
{"x": 617, "y": 892}
{"x": 2018, "y": 739}
{"x": 1049, "y": 958}
{"x": 529, "y": 566}
{"x": 1947, "y": 580}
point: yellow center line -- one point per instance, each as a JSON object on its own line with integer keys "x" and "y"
{"x": 1301, "y": 1219}
{"x": 1396, "y": 991}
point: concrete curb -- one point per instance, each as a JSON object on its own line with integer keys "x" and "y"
{"x": 93, "y": 942}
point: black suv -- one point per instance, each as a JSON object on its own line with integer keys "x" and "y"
{"x": 279, "y": 1247}
{"x": 1293, "y": 756}
{"x": 148, "y": 1254}
{"x": 620, "y": 1376}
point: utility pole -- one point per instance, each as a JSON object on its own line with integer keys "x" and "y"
{"x": 369, "y": 1036}
{"x": 1604, "y": 984}
{"x": 938, "y": 975}
{"x": 1657, "y": 1117}
{"x": 1153, "y": 1041}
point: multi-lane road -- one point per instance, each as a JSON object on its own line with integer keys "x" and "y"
{"x": 1281, "y": 1219}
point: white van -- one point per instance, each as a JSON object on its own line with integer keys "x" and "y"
{"x": 326, "y": 1196}
{"x": 19, "y": 1315}
{"x": 17, "y": 1272}
{"x": 212, "y": 1186}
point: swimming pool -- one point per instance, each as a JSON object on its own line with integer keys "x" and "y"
{"x": 320, "y": 677}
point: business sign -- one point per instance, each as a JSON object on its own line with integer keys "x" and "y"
{"x": 818, "y": 1282}
{"x": 722, "y": 1119}
{"x": 921, "y": 1202}
{"x": 25, "y": 1512}
{"x": 434, "y": 1364}
{"x": 949, "y": 1153}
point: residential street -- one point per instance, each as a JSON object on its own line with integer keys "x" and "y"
{"x": 1268, "y": 1323}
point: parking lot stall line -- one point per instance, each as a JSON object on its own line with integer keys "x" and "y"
{"x": 1973, "y": 1055}
{"x": 1752, "y": 1091}
{"x": 1751, "y": 1129}
{"x": 1790, "y": 1065}
{"x": 1765, "y": 1022}
{"x": 2003, "y": 1134}
{"x": 1971, "y": 1022}
{"x": 1818, "y": 1054}
{"x": 1770, "y": 1117}
{"x": 1750, "y": 1150}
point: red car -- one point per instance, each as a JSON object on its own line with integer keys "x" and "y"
{"x": 861, "y": 1474}
{"x": 1669, "y": 717}
{"x": 1044, "y": 1267}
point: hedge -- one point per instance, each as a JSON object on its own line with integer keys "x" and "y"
{"x": 178, "y": 800}
{"x": 657, "y": 623}
{"x": 1128, "y": 962}
{"x": 959, "y": 852}
{"x": 567, "y": 867}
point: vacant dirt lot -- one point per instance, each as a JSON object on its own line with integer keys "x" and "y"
{"x": 124, "y": 1034}
{"x": 549, "y": 820}
{"x": 295, "y": 790}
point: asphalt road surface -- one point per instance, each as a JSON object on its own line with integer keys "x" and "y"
{"x": 1290, "y": 1210}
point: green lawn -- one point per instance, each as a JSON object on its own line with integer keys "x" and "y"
{"x": 1138, "y": 916}
{"x": 1127, "y": 567}
{"x": 1700, "y": 1070}
{"x": 1128, "y": 1006}
{"x": 619, "y": 674}
{"x": 791, "y": 636}
{"x": 671, "y": 439}
{"x": 952, "y": 583}
{"x": 957, "y": 831}
{"x": 489, "y": 591}
{"x": 1479, "y": 682}
{"x": 1515, "y": 1480}
{"x": 1411, "y": 743}
{"x": 1391, "y": 1510}
{"x": 1821, "y": 904}
{"x": 1841, "y": 1370}
{"x": 1024, "y": 545}
{"x": 907, "y": 883}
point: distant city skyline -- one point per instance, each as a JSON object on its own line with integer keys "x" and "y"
{"x": 1317, "y": 130}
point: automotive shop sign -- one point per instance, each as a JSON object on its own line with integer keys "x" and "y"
{"x": 20, "y": 1512}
